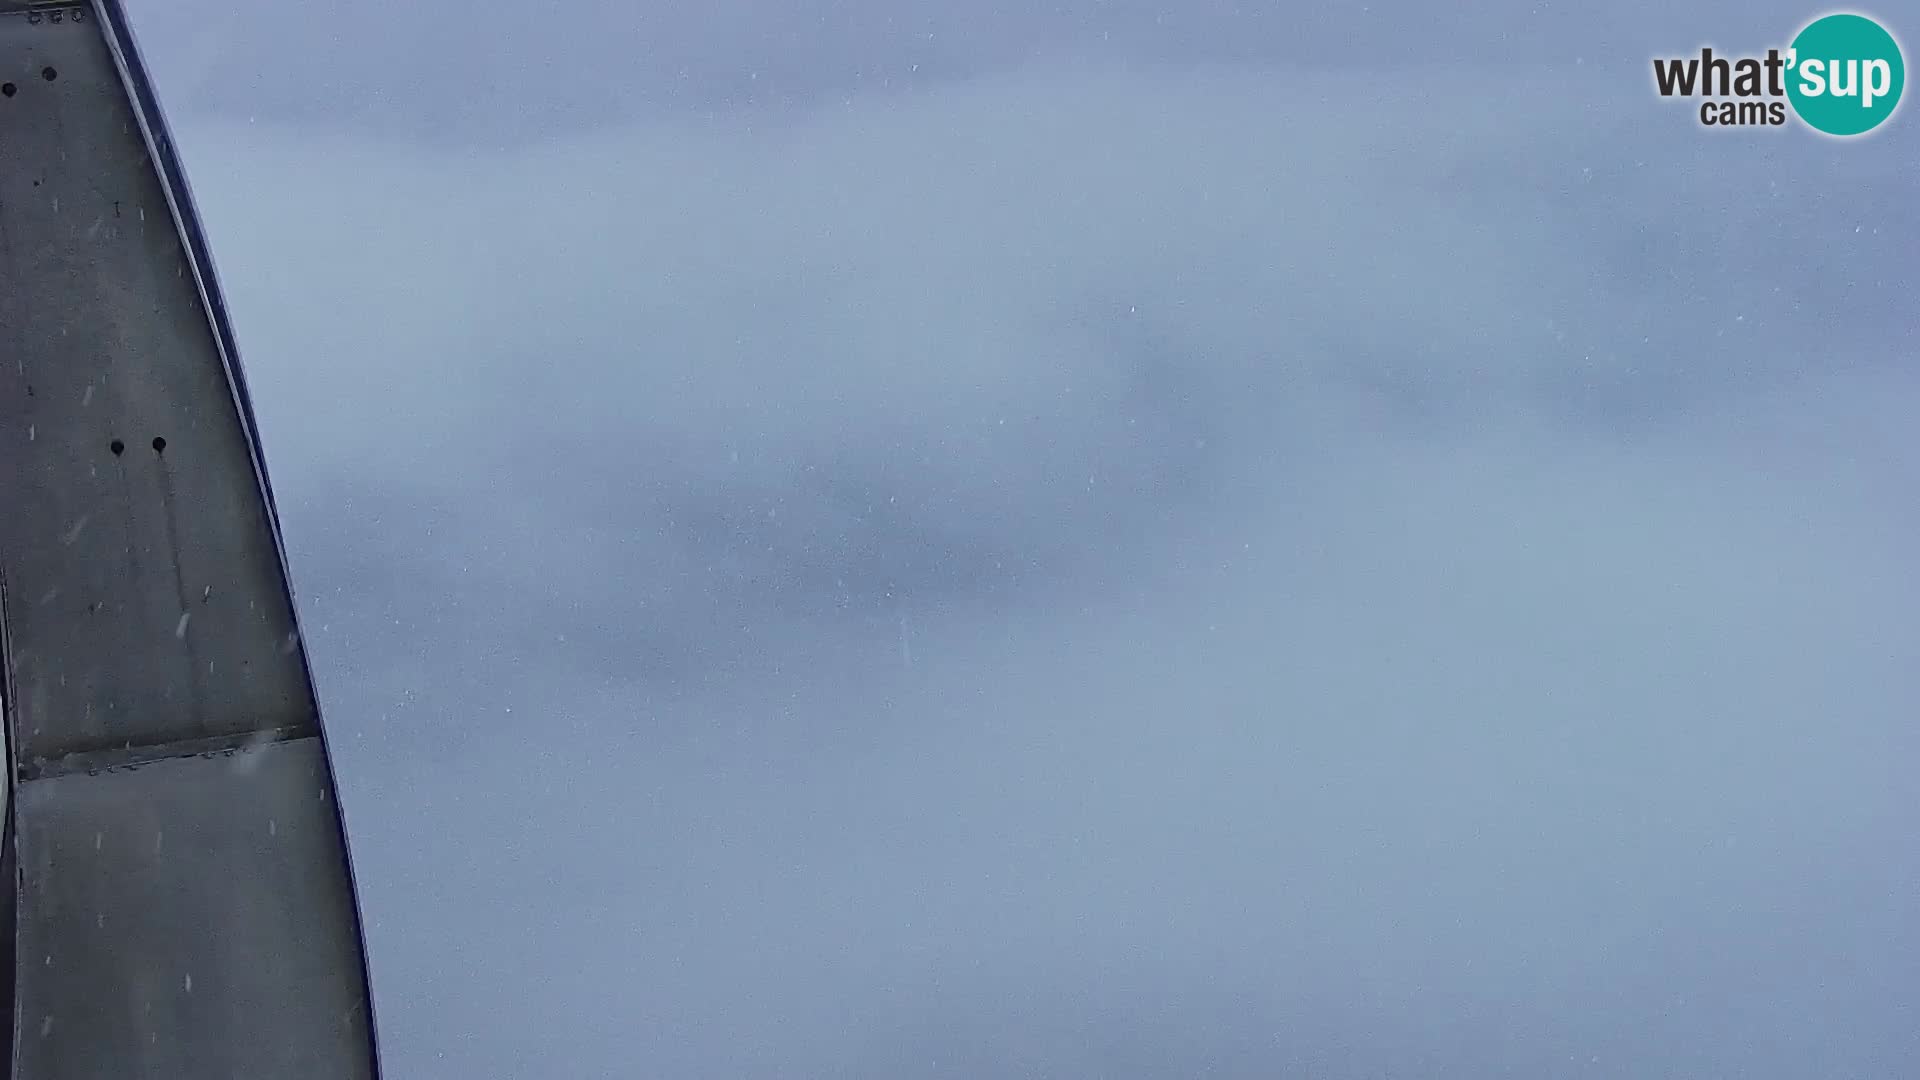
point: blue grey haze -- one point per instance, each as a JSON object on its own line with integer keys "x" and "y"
{"x": 1087, "y": 540}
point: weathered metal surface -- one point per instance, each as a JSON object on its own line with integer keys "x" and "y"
{"x": 185, "y": 918}
{"x": 147, "y": 604}
{"x": 183, "y": 901}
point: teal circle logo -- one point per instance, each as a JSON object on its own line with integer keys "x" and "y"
{"x": 1845, "y": 74}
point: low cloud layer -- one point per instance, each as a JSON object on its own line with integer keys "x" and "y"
{"x": 1088, "y": 575}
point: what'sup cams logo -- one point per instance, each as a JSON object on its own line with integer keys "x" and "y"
{"x": 1842, "y": 76}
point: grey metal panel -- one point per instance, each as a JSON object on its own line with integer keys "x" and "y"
{"x": 188, "y": 918}
{"x": 147, "y": 601}
{"x": 172, "y": 814}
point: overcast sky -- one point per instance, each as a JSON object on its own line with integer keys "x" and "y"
{"x": 934, "y": 540}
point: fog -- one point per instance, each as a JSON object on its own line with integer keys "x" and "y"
{"x": 1080, "y": 570}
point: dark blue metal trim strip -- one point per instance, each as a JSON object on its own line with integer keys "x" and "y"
{"x": 120, "y": 41}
